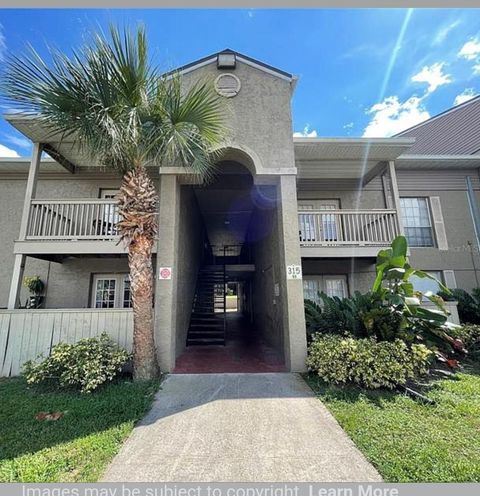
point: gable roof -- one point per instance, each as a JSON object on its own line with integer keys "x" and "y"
{"x": 455, "y": 131}
{"x": 240, "y": 56}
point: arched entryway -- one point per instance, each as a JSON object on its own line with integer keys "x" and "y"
{"x": 239, "y": 247}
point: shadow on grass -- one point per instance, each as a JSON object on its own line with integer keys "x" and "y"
{"x": 349, "y": 393}
{"x": 111, "y": 406}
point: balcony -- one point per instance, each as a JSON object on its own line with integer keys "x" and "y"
{"x": 86, "y": 226}
{"x": 346, "y": 233}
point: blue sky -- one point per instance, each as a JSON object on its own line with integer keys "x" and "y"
{"x": 361, "y": 72}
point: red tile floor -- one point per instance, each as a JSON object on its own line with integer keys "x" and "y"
{"x": 242, "y": 353}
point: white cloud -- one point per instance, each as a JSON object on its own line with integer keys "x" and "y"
{"x": 476, "y": 69}
{"x": 7, "y": 152}
{"x": 306, "y": 133}
{"x": 348, "y": 126}
{"x": 18, "y": 141}
{"x": 471, "y": 49}
{"x": 444, "y": 31}
{"x": 433, "y": 75}
{"x": 392, "y": 116}
{"x": 464, "y": 96}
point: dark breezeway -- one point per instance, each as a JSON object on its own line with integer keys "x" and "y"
{"x": 238, "y": 254}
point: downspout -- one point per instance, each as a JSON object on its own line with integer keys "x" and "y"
{"x": 475, "y": 213}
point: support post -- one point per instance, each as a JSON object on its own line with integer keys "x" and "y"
{"x": 31, "y": 188}
{"x": 295, "y": 341}
{"x": 19, "y": 262}
{"x": 166, "y": 289}
{"x": 15, "y": 285}
{"x": 395, "y": 194}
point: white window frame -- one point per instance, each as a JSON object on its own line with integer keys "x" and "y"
{"x": 322, "y": 283}
{"x": 429, "y": 216}
{"x": 120, "y": 283}
{"x": 438, "y": 274}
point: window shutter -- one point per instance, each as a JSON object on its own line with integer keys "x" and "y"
{"x": 437, "y": 216}
{"x": 449, "y": 278}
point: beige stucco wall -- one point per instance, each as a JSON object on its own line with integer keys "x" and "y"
{"x": 366, "y": 198}
{"x": 267, "y": 308}
{"x": 189, "y": 259}
{"x": 259, "y": 117}
{"x": 68, "y": 283}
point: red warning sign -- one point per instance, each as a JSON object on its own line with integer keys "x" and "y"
{"x": 165, "y": 273}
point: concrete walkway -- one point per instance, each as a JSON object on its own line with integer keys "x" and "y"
{"x": 238, "y": 427}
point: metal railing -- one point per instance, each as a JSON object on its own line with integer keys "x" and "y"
{"x": 347, "y": 227}
{"x": 94, "y": 219}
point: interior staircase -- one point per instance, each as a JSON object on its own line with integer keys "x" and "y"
{"x": 207, "y": 322}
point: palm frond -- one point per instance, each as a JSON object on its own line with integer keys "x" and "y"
{"x": 110, "y": 99}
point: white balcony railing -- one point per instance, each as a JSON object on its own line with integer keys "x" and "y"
{"x": 94, "y": 219}
{"x": 347, "y": 227}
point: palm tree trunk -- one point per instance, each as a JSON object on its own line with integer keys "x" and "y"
{"x": 138, "y": 202}
{"x": 145, "y": 364}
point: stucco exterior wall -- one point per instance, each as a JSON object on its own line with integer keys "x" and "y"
{"x": 360, "y": 272}
{"x": 267, "y": 309}
{"x": 190, "y": 252}
{"x": 68, "y": 283}
{"x": 349, "y": 199}
{"x": 259, "y": 116}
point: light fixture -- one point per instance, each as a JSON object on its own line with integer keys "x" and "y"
{"x": 226, "y": 60}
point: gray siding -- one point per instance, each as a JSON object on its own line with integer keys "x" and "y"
{"x": 436, "y": 180}
{"x": 454, "y": 132}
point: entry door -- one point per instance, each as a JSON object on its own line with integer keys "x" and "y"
{"x": 322, "y": 228}
{"x": 332, "y": 285}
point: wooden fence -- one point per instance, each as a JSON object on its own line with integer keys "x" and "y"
{"x": 25, "y": 334}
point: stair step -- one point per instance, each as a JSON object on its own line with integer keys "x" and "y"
{"x": 206, "y": 334}
{"x": 206, "y": 342}
{"x": 206, "y": 326}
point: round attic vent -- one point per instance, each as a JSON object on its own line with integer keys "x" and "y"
{"x": 227, "y": 85}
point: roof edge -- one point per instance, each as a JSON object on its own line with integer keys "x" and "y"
{"x": 394, "y": 141}
{"x": 441, "y": 114}
{"x": 240, "y": 56}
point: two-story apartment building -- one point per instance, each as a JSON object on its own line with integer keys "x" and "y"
{"x": 284, "y": 218}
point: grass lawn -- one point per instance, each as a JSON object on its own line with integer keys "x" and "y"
{"x": 76, "y": 448}
{"x": 409, "y": 441}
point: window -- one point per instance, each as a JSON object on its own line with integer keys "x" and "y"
{"x": 425, "y": 284}
{"x": 111, "y": 291}
{"x": 311, "y": 288}
{"x": 335, "y": 286}
{"x": 332, "y": 285}
{"x": 416, "y": 221}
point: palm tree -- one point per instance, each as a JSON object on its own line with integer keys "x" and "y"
{"x": 121, "y": 111}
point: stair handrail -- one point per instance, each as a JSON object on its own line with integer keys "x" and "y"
{"x": 224, "y": 297}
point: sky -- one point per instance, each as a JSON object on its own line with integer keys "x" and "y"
{"x": 362, "y": 72}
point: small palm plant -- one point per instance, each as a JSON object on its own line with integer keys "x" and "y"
{"x": 120, "y": 111}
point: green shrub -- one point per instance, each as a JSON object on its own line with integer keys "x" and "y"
{"x": 341, "y": 315}
{"x": 469, "y": 334}
{"x": 468, "y": 304}
{"x": 84, "y": 365}
{"x": 366, "y": 362}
